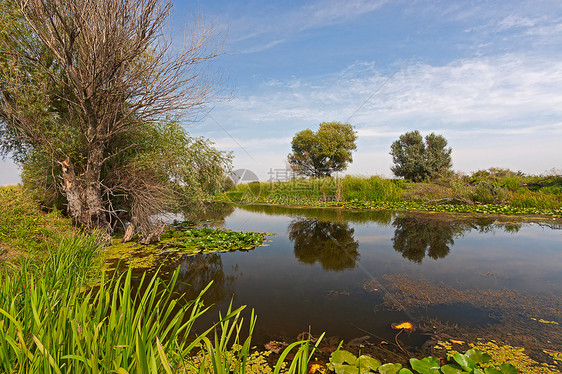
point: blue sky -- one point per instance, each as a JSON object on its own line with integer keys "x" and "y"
{"x": 485, "y": 74}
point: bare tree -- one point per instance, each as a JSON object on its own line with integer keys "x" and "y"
{"x": 106, "y": 69}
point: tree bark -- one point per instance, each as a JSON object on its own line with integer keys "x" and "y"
{"x": 154, "y": 235}
{"x": 129, "y": 232}
{"x": 84, "y": 195}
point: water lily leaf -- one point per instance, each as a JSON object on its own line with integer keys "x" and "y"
{"x": 390, "y": 368}
{"x": 342, "y": 356}
{"x": 452, "y": 369}
{"x": 478, "y": 356}
{"x": 464, "y": 361}
{"x": 346, "y": 369}
{"x": 508, "y": 369}
{"x": 492, "y": 371}
{"x": 405, "y": 371}
{"x": 367, "y": 362}
{"x": 429, "y": 365}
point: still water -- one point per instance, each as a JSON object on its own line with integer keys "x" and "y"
{"x": 353, "y": 274}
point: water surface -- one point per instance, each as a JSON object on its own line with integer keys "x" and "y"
{"x": 352, "y": 274}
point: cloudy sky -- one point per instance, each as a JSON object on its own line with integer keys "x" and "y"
{"x": 487, "y": 75}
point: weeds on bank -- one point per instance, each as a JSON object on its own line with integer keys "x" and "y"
{"x": 495, "y": 191}
{"x": 24, "y": 228}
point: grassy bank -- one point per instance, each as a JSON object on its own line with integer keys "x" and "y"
{"x": 493, "y": 191}
{"x": 53, "y": 321}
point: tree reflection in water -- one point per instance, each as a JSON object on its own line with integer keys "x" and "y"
{"x": 197, "y": 271}
{"x": 418, "y": 235}
{"x": 329, "y": 243}
{"x": 415, "y": 237}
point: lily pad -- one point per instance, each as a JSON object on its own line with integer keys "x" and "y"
{"x": 452, "y": 369}
{"x": 390, "y": 368}
{"x": 478, "y": 356}
{"x": 342, "y": 356}
{"x": 405, "y": 371}
{"x": 508, "y": 369}
{"x": 368, "y": 362}
{"x": 464, "y": 361}
{"x": 492, "y": 371}
{"x": 347, "y": 369}
{"x": 429, "y": 365}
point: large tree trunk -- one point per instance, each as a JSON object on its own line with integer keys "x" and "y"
{"x": 84, "y": 195}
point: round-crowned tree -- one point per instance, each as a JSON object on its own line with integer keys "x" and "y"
{"x": 321, "y": 153}
{"x": 420, "y": 161}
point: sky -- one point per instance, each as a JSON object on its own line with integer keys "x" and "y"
{"x": 487, "y": 75}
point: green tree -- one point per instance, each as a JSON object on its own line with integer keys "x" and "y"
{"x": 321, "y": 153}
{"x": 89, "y": 94}
{"x": 419, "y": 161}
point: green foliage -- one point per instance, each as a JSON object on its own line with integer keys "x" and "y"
{"x": 321, "y": 153}
{"x": 418, "y": 161}
{"x": 427, "y": 365}
{"x": 207, "y": 240}
{"x": 25, "y": 228}
{"x": 455, "y": 194}
{"x": 123, "y": 155}
{"x": 347, "y": 188}
{"x": 158, "y": 167}
{"x": 374, "y": 188}
{"x": 344, "y": 362}
{"x": 51, "y": 325}
{"x": 494, "y": 358}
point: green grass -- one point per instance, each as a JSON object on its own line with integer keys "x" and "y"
{"x": 52, "y": 320}
{"x": 24, "y": 228}
{"x": 52, "y": 323}
{"x": 495, "y": 191}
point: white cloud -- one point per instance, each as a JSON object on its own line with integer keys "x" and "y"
{"x": 9, "y": 173}
{"x": 261, "y": 31}
{"x": 513, "y": 21}
{"x": 506, "y": 91}
{"x": 511, "y": 98}
{"x": 250, "y": 143}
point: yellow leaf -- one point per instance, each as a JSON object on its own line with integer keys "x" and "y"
{"x": 456, "y": 341}
{"x": 408, "y": 326}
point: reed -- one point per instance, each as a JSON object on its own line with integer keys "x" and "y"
{"x": 498, "y": 187}
{"x": 322, "y": 189}
{"x": 50, "y": 324}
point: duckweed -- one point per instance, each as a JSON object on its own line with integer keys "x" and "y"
{"x": 180, "y": 239}
{"x": 504, "y": 354}
{"x": 495, "y": 209}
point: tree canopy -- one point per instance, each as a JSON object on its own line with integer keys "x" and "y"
{"x": 419, "y": 161}
{"x": 90, "y": 95}
{"x": 321, "y": 153}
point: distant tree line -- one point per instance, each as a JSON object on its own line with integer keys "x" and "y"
{"x": 328, "y": 150}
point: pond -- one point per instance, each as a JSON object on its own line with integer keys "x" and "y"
{"x": 353, "y": 274}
